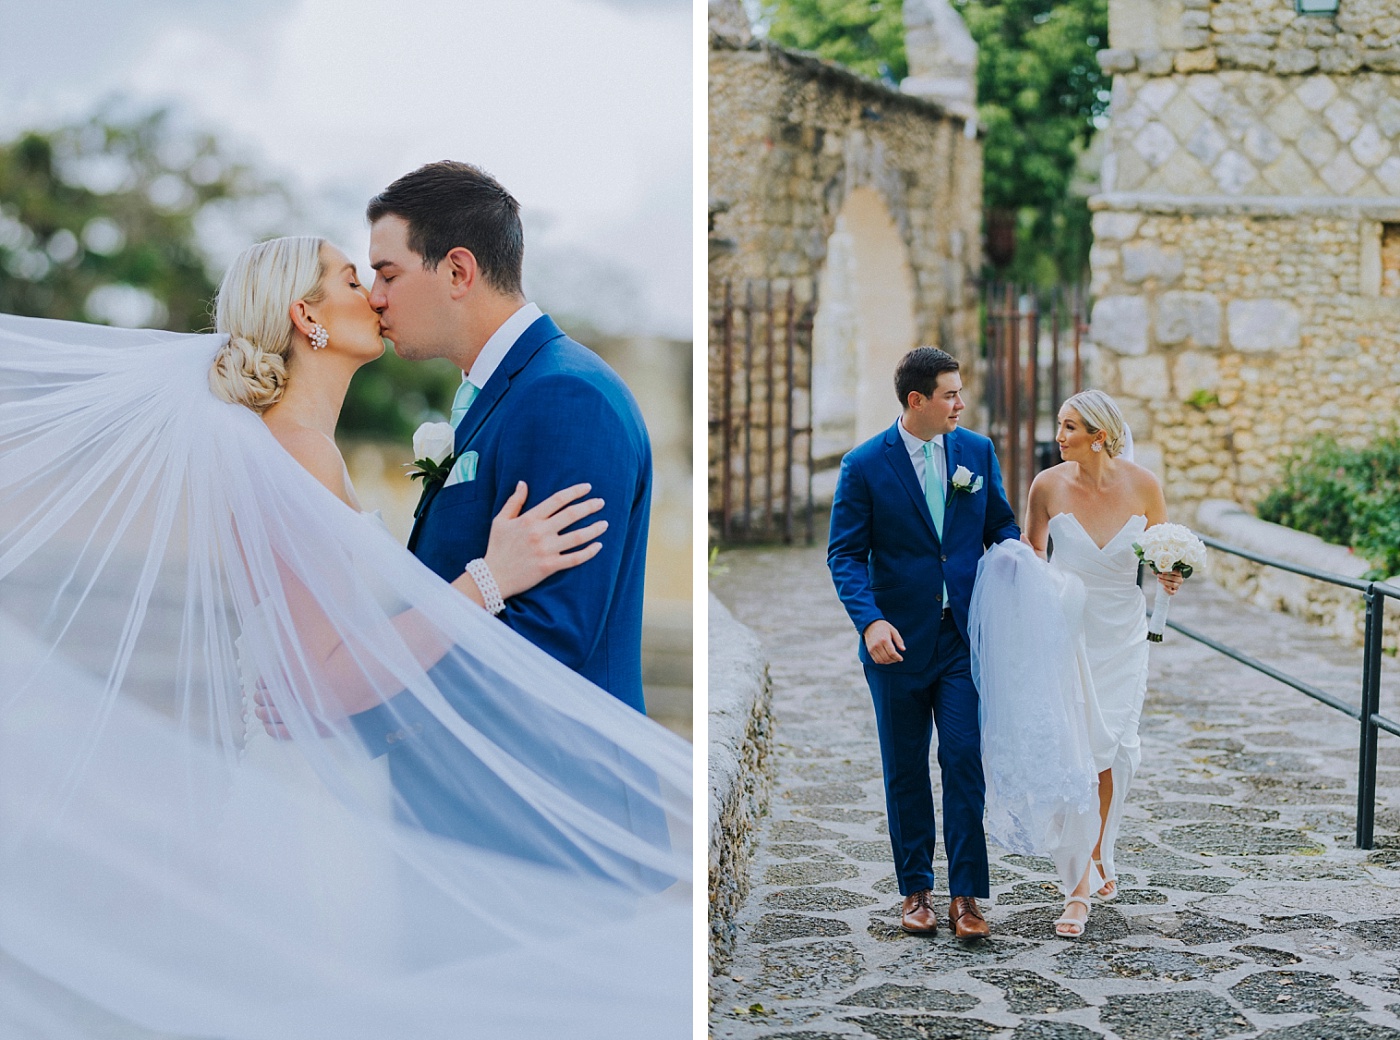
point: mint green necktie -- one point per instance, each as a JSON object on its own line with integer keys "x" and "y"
{"x": 466, "y": 394}
{"x": 933, "y": 495}
{"x": 933, "y": 489}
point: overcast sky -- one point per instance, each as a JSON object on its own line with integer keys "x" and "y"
{"x": 582, "y": 108}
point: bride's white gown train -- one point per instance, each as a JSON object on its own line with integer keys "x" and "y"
{"x": 1060, "y": 660}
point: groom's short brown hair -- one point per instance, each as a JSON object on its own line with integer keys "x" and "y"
{"x": 450, "y": 204}
{"x": 919, "y": 370}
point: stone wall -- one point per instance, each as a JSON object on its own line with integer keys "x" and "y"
{"x": 1246, "y": 267}
{"x": 740, "y": 768}
{"x": 796, "y": 144}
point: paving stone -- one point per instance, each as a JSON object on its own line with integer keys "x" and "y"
{"x": 816, "y": 898}
{"x": 831, "y": 771}
{"x": 1138, "y": 852}
{"x": 1105, "y": 924}
{"x": 1154, "y": 962}
{"x": 839, "y": 814}
{"x": 1039, "y": 864}
{"x": 772, "y": 928}
{"x": 1342, "y": 1027}
{"x": 1193, "y": 882}
{"x": 1296, "y": 922}
{"x": 1190, "y": 1015}
{"x": 1210, "y": 812}
{"x": 1293, "y": 992}
{"x": 1031, "y": 892}
{"x": 1268, "y": 955}
{"x": 783, "y": 851}
{"x": 1200, "y": 787}
{"x": 811, "y": 969}
{"x": 1043, "y": 1030}
{"x": 917, "y": 998}
{"x": 1140, "y": 897}
{"x": 1192, "y": 927}
{"x": 808, "y": 873}
{"x": 1239, "y": 839}
{"x": 1381, "y": 934}
{"x": 923, "y": 1027}
{"x": 944, "y": 954}
{"x": 824, "y": 794}
{"x": 1028, "y": 993}
{"x": 866, "y": 851}
{"x": 796, "y": 830}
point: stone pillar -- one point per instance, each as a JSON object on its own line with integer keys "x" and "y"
{"x": 1245, "y": 298}
{"x": 942, "y": 56}
{"x": 729, "y": 19}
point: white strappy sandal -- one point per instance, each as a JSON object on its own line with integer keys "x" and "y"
{"x": 1073, "y": 923}
{"x": 1106, "y": 881}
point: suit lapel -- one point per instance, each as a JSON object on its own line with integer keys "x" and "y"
{"x": 542, "y": 331}
{"x": 898, "y": 456}
{"x": 952, "y": 451}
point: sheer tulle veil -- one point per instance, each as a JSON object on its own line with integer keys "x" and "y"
{"x": 166, "y": 864}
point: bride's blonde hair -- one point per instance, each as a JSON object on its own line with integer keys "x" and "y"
{"x": 1100, "y": 412}
{"x": 253, "y": 307}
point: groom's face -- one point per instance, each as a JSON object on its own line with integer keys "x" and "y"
{"x": 411, "y": 300}
{"x": 938, "y": 413}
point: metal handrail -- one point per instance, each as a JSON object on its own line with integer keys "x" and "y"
{"x": 1368, "y": 712}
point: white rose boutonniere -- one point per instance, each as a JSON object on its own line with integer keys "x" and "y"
{"x": 432, "y": 452}
{"x": 964, "y": 480}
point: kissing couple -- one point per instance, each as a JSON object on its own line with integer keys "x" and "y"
{"x": 264, "y": 772}
{"x": 1033, "y": 673}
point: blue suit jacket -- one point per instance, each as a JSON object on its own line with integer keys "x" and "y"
{"x": 886, "y": 558}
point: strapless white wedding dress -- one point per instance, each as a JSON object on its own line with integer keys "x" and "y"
{"x": 1059, "y": 655}
{"x": 1115, "y": 646}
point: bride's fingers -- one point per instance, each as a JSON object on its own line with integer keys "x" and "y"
{"x": 511, "y": 509}
{"x": 584, "y": 534}
{"x": 560, "y": 499}
{"x": 573, "y": 559}
{"x": 571, "y": 515}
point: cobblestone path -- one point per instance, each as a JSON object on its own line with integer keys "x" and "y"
{"x": 1245, "y": 909}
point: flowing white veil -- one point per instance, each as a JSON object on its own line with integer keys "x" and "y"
{"x": 506, "y": 852}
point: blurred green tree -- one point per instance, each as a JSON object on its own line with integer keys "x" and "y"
{"x": 1040, "y": 92}
{"x": 110, "y": 220}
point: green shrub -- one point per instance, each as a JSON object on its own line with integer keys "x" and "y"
{"x": 1349, "y": 496}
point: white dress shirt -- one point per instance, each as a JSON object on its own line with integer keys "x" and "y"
{"x": 498, "y": 346}
{"x": 915, "y": 448}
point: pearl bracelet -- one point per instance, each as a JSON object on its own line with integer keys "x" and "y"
{"x": 486, "y": 582}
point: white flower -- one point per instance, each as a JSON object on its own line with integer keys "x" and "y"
{"x": 434, "y": 441}
{"x": 963, "y": 481}
{"x": 1168, "y": 546}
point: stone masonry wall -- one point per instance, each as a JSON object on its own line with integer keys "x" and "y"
{"x": 790, "y": 137}
{"x": 1246, "y": 268}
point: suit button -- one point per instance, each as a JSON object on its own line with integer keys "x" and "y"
{"x": 944, "y": 559}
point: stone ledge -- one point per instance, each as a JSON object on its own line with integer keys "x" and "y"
{"x": 1340, "y": 611}
{"x": 740, "y": 768}
{"x": 1249, "y": 205}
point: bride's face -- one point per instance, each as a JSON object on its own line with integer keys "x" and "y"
{"x": 351, "y": 324}
{"x": 1075, "y": 441}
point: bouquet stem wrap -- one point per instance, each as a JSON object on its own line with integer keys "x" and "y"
{"x": 1157, "y": 623}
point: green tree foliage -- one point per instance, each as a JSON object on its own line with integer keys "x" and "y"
{"x": 1039, "y": 89}
{"x": 104, "y": 221}
{"x": 98, "y": 221}
{"x": 1347, "y": 496}
{"x": 866, "y": 36}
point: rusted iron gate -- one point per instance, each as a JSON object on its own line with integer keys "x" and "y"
{"x": 761, "y": 412}
{"x": 1033, "y": 363}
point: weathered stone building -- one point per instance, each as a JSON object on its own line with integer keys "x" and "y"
{"x": 1247, "y": 241}
{"x": 861, "y": 198}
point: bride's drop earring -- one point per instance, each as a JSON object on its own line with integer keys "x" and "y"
{"x": 320, "y": 337}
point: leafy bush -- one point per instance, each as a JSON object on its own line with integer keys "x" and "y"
{"x": 1349, "y": 496}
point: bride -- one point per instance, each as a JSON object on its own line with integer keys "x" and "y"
{"x": 1080, "y": 626}
{"x": 172, "y": 559}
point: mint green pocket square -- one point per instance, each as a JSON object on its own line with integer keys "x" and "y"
{"x": 463, "y": 470}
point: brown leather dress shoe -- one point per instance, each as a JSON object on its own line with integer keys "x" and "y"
{"x": 918, "y": 917}
{"x": 967, "y": 919}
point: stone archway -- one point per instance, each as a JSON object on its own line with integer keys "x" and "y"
{"x": 864, "y": 324}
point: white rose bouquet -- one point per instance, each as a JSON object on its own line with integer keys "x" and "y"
{"x": 432, "y": 452}
{"x": 1168, "y": 547}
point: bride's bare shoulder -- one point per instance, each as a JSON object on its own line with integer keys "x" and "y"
{"x": 316, "y": 453}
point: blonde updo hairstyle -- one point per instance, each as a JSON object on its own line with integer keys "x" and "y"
{"x": 1100, "y": 412}
{"x": 253, "y": 308}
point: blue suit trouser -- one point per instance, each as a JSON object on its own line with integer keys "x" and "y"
{"x": 907, "y": 707}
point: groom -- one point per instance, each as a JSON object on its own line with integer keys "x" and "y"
{"x": 915, "y": 508}
{"x": 446, "y": 246}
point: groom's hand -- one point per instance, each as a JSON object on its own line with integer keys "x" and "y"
{"x": 883, "y": 641}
